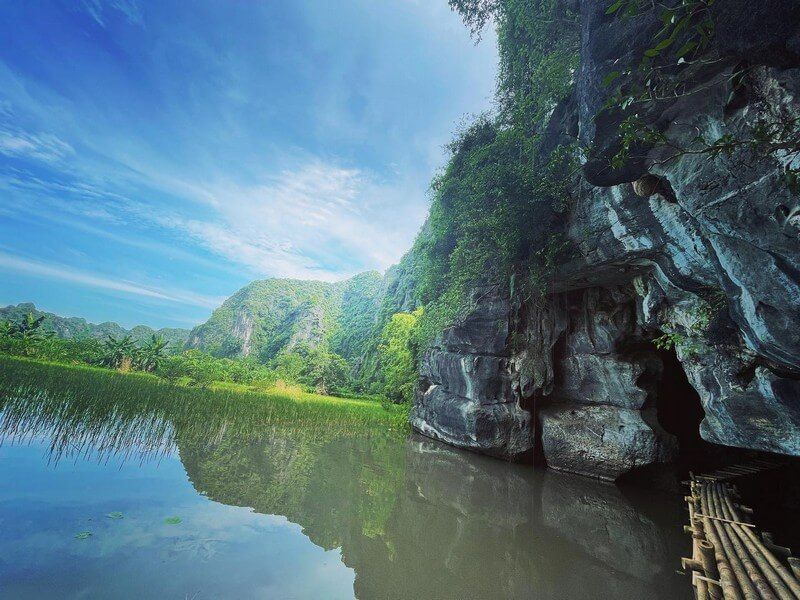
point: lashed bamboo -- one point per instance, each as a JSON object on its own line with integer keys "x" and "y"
{"x": 780, "y": 578}
{"x": 747, "y": 588}
{"x": 727, "y": 578}
{"x": 750, "y": 566}
{"x": 744, "y": 563}
{"x": 709, "y": 562}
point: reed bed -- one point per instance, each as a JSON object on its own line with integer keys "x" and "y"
{"x": 84, "y": 410}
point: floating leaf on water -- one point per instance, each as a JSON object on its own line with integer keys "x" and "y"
{"x": 172, "y": 520}
{"x": 115, "y": 515}
{"x": 83, "y": 535}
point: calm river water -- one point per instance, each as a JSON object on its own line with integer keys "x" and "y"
{"x": 116, "y": 504}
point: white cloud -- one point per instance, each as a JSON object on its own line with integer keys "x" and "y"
{"x": 317, "y": 220}
{"x": 98, "y": 10}
{"x": 225, "y": 187}
{"x": 61, "y": 272}
{"x": 40, "y": 146}
{"x": 294, "y": 223}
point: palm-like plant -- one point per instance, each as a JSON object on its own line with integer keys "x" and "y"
{"x": 24, "y": 336}
{"x": 29, "y": 328}
{"x": 151, "y": 353}
{"x": 117, "y": 352}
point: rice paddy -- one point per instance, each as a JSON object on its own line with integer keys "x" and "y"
{"x": 87, "y": 410}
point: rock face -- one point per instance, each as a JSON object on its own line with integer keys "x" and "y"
{"x": 703, "y": 254}
{"x": 600, "y": 419}
{"x": 465, "y": 395}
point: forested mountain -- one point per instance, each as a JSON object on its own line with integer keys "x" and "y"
{"x": 76, "y": 327}
{"x": 269, "y": 316}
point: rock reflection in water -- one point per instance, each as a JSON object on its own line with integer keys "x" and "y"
{"x": 422, "y": 520}
{"x": 413, "y": 518}
{"x": 504, "y": 530}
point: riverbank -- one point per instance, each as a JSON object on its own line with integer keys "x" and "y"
{"x": 92, "y": 390}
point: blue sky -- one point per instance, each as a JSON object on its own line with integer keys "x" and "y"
{"x": 155, "y": 156}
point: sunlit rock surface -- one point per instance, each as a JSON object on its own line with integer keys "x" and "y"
{"x": 711, "y": 260}
{"x": 465, "y": 396}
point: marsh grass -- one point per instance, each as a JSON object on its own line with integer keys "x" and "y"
{"x": 85, "y": 410}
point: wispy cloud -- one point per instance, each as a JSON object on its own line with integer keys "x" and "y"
{"x": 40, "y": 146}
{"x": 318, "y": 220}
{"x": 294, "y": 223}
{"x": 54, "y": 271}
{"x": 99, "y": 9}
{"x": 241, "y": 140}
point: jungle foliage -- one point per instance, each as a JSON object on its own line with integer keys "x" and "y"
{"x": 313, "y": 369}
{"x": 396, "y": 353}
{"x": 277, "y": 315}
{"x": 501, "y": 187}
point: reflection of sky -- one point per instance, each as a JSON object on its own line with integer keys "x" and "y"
{"x": 156, "y": 156}
{"x": 217, "y": 551}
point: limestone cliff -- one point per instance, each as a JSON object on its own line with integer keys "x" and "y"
{"x": 269, "y": 316}
{"x": 696, "y": 251}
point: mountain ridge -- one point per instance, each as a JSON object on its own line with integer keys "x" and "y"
{"x": 76, "y": 327}
{"x": 270, "y": 316}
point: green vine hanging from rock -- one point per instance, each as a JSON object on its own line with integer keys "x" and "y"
{"x": 684, "y": 42}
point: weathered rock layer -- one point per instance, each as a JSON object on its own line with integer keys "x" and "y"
{"x": 706, "y": 260}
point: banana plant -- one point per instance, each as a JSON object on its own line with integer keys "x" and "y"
{"x": 151, "y": 353}
{"x": 118, "y": 351}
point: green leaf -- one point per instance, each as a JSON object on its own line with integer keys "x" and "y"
{"x": 663, "y": 44}
{"x": 615, "y": 7}
{"x": 608, "y": 79}
{"x": 667, "y": 16}
{"x": 652, "y": 52}
{"x": 172, "y": 520}
{"x": 686, "y": 48}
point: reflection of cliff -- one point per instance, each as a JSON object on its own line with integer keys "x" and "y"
{"x": 424, "y": 520}
{"x": 333, "y": 489}
{"x": 499, "y": 530}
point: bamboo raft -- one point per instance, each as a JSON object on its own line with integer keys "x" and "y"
{"x": 731, "y": 559}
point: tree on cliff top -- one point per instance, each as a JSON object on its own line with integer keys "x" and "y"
{"x": 501, "y": 194}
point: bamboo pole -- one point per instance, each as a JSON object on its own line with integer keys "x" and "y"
{"x": 750, "y": 565}
{"x": 745, "y": 585}
{"x": 701, "y": 588}
{"x": 782, "y": 580}
{"x": 769, "y": 542}
{"x": 727, "y": 577}
{"x": 709, "y": 562}
{"x": 794, "y": 564}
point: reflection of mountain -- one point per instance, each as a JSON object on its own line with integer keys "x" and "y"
{"x": 426, "y": 521}
{"x": 413, "y": 518}
{"x": 335, "y": 489}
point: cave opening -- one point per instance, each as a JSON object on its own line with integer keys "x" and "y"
{"x": 679, "y": 410}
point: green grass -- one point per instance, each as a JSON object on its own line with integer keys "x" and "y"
{"x": 84, "y": 408}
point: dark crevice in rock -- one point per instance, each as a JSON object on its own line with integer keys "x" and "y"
{"x": 678, "y": 405}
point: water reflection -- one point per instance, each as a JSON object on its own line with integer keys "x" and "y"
{"x": 411, "y": 517}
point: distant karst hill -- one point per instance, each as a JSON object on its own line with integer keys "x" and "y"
{"x": 273, "y": 315}
{"x": 75, "y": 327}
